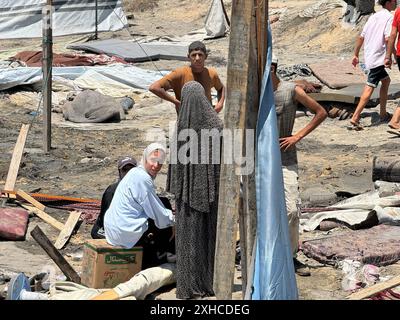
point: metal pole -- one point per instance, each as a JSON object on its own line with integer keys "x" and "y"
{"x": 47, "y": 43}
{"x": 96, "y": 20}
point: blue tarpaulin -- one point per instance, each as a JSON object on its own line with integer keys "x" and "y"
{"x": 274, "y": 276}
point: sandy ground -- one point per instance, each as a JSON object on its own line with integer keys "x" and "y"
{"x": 83, "y": 159}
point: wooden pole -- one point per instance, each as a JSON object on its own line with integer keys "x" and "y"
{"x": 56, "y": 256}
{"x": 242, "y": 90}
{"x": 96, "y": 20}
{"x": 47, "y": 74}
{"x": 248, "y": 213}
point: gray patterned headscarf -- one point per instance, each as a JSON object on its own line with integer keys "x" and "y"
{"x": 196, "y": 184}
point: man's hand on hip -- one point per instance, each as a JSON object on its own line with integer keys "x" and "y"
{"x": 288, "y": 142}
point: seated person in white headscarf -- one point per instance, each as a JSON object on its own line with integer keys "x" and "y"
{"x": 136, "y": 214}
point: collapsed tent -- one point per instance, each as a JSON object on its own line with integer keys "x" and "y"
{"x": 23, "y": 18}
{"x": 217, "y": 22}
{"x": 132, "y": 51}
{"x": 128, "y": 76}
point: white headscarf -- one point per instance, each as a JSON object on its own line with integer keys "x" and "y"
{"x": 150, "y": 149}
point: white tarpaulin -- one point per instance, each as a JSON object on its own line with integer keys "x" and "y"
{"x": 125, "y": 75}
{"x": 216, "y": 24}
{"x": 23, "y": 18}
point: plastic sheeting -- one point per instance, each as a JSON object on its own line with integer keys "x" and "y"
{"x": 119, "y": 74}
{"x": 23, "y": 18}
{"x": 274, "y": 277}
{"x": 216, "y": 24}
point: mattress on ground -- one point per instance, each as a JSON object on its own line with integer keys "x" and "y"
{"x": 13, "y": 223}
{"x": 132, "y": 51}
{"x": 337, "y": 73}
{"x": 352, "y": 94}
{"x": 379, "y": 245}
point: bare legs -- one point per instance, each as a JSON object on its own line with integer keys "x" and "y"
{"x": 395, "y": 122}
{"x": 366, "y": 95}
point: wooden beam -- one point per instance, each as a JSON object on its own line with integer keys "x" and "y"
{"x": 66, "y": 232}
{"x": 376, "y": 288}
{"x": 47, "y": 43}
{"x": 45, "y": 217}
{"x": 16, "y": 158}
{"x": 56, "y": 256}
{"x": 31, "y": 200}
{"x": 242, "y": 84}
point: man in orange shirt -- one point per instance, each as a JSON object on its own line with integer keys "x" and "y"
{"x": 196, "y": 71}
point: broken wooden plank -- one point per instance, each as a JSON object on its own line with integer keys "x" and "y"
{"x": 45, "y": 217}
{"x": 66, "y": 232}
{"x": 55, "y": 255}
{"x": 31, "y": 200}
{"x": 16, "y": 158}
{"x": 376, "y": 288}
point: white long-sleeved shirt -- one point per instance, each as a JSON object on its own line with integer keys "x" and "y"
{"x": 135, "y": 200}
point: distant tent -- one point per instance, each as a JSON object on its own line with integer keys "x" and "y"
{"x": 217, "y": 21}
{"x": 23, "y": 18}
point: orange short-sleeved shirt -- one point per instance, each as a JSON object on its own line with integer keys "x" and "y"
{"x": 175, "y": 80}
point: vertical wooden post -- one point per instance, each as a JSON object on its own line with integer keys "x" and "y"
{"x": 47, "y": 74}
{"x": 248, "y": 213}
{"x": 242, "y": 92}
{"x": 96, "y": 20}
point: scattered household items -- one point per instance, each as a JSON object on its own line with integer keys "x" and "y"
{"x": 357, "y": 276}
{"x": 337, "y": 74}
{"x": 106, "y": 266}
{"x": 136, "y": 288}
{"x": 93, "y": 107}
{"x": 289, "y": 72}
{"x": 23, "y": 18}
{"x": 342, "y": 113}
{"x": 379, "y": 291}
{"x": 359, "y": 212}
{"x": 34, "y": 59}
{"x": 132, "y": 51}
{"x": 320, "y": 8}
{"x": 13, "y": 223}
{"x": 386, "y": 169}
{"x": 379, "y": 245}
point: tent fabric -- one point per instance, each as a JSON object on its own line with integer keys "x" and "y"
{"x": 132, "y": 51}
{"x": 216, "y": 24}
{"x": 124, "y": 74}
{"x": 274, "y": 277}
{"x": 23, "y": 18}
{"x": 35, "y": 58}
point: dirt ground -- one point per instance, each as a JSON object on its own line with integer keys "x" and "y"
{"x": 82, "y": 162}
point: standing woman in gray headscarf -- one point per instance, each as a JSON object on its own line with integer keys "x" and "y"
{"x": 195, "y": 185}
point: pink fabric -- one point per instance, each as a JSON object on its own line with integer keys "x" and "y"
{"x": 13, "y": 223}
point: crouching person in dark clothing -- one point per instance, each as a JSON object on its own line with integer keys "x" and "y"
{"x": 124, "y": 165}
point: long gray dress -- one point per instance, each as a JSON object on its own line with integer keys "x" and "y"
{"x": 195, "y": 186}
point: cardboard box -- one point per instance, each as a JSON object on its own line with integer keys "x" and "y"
{"x": 106, "y": 266}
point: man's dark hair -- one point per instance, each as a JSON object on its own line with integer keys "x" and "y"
{"x": 383, "y": 2}
{"x": 197, "y": 45}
